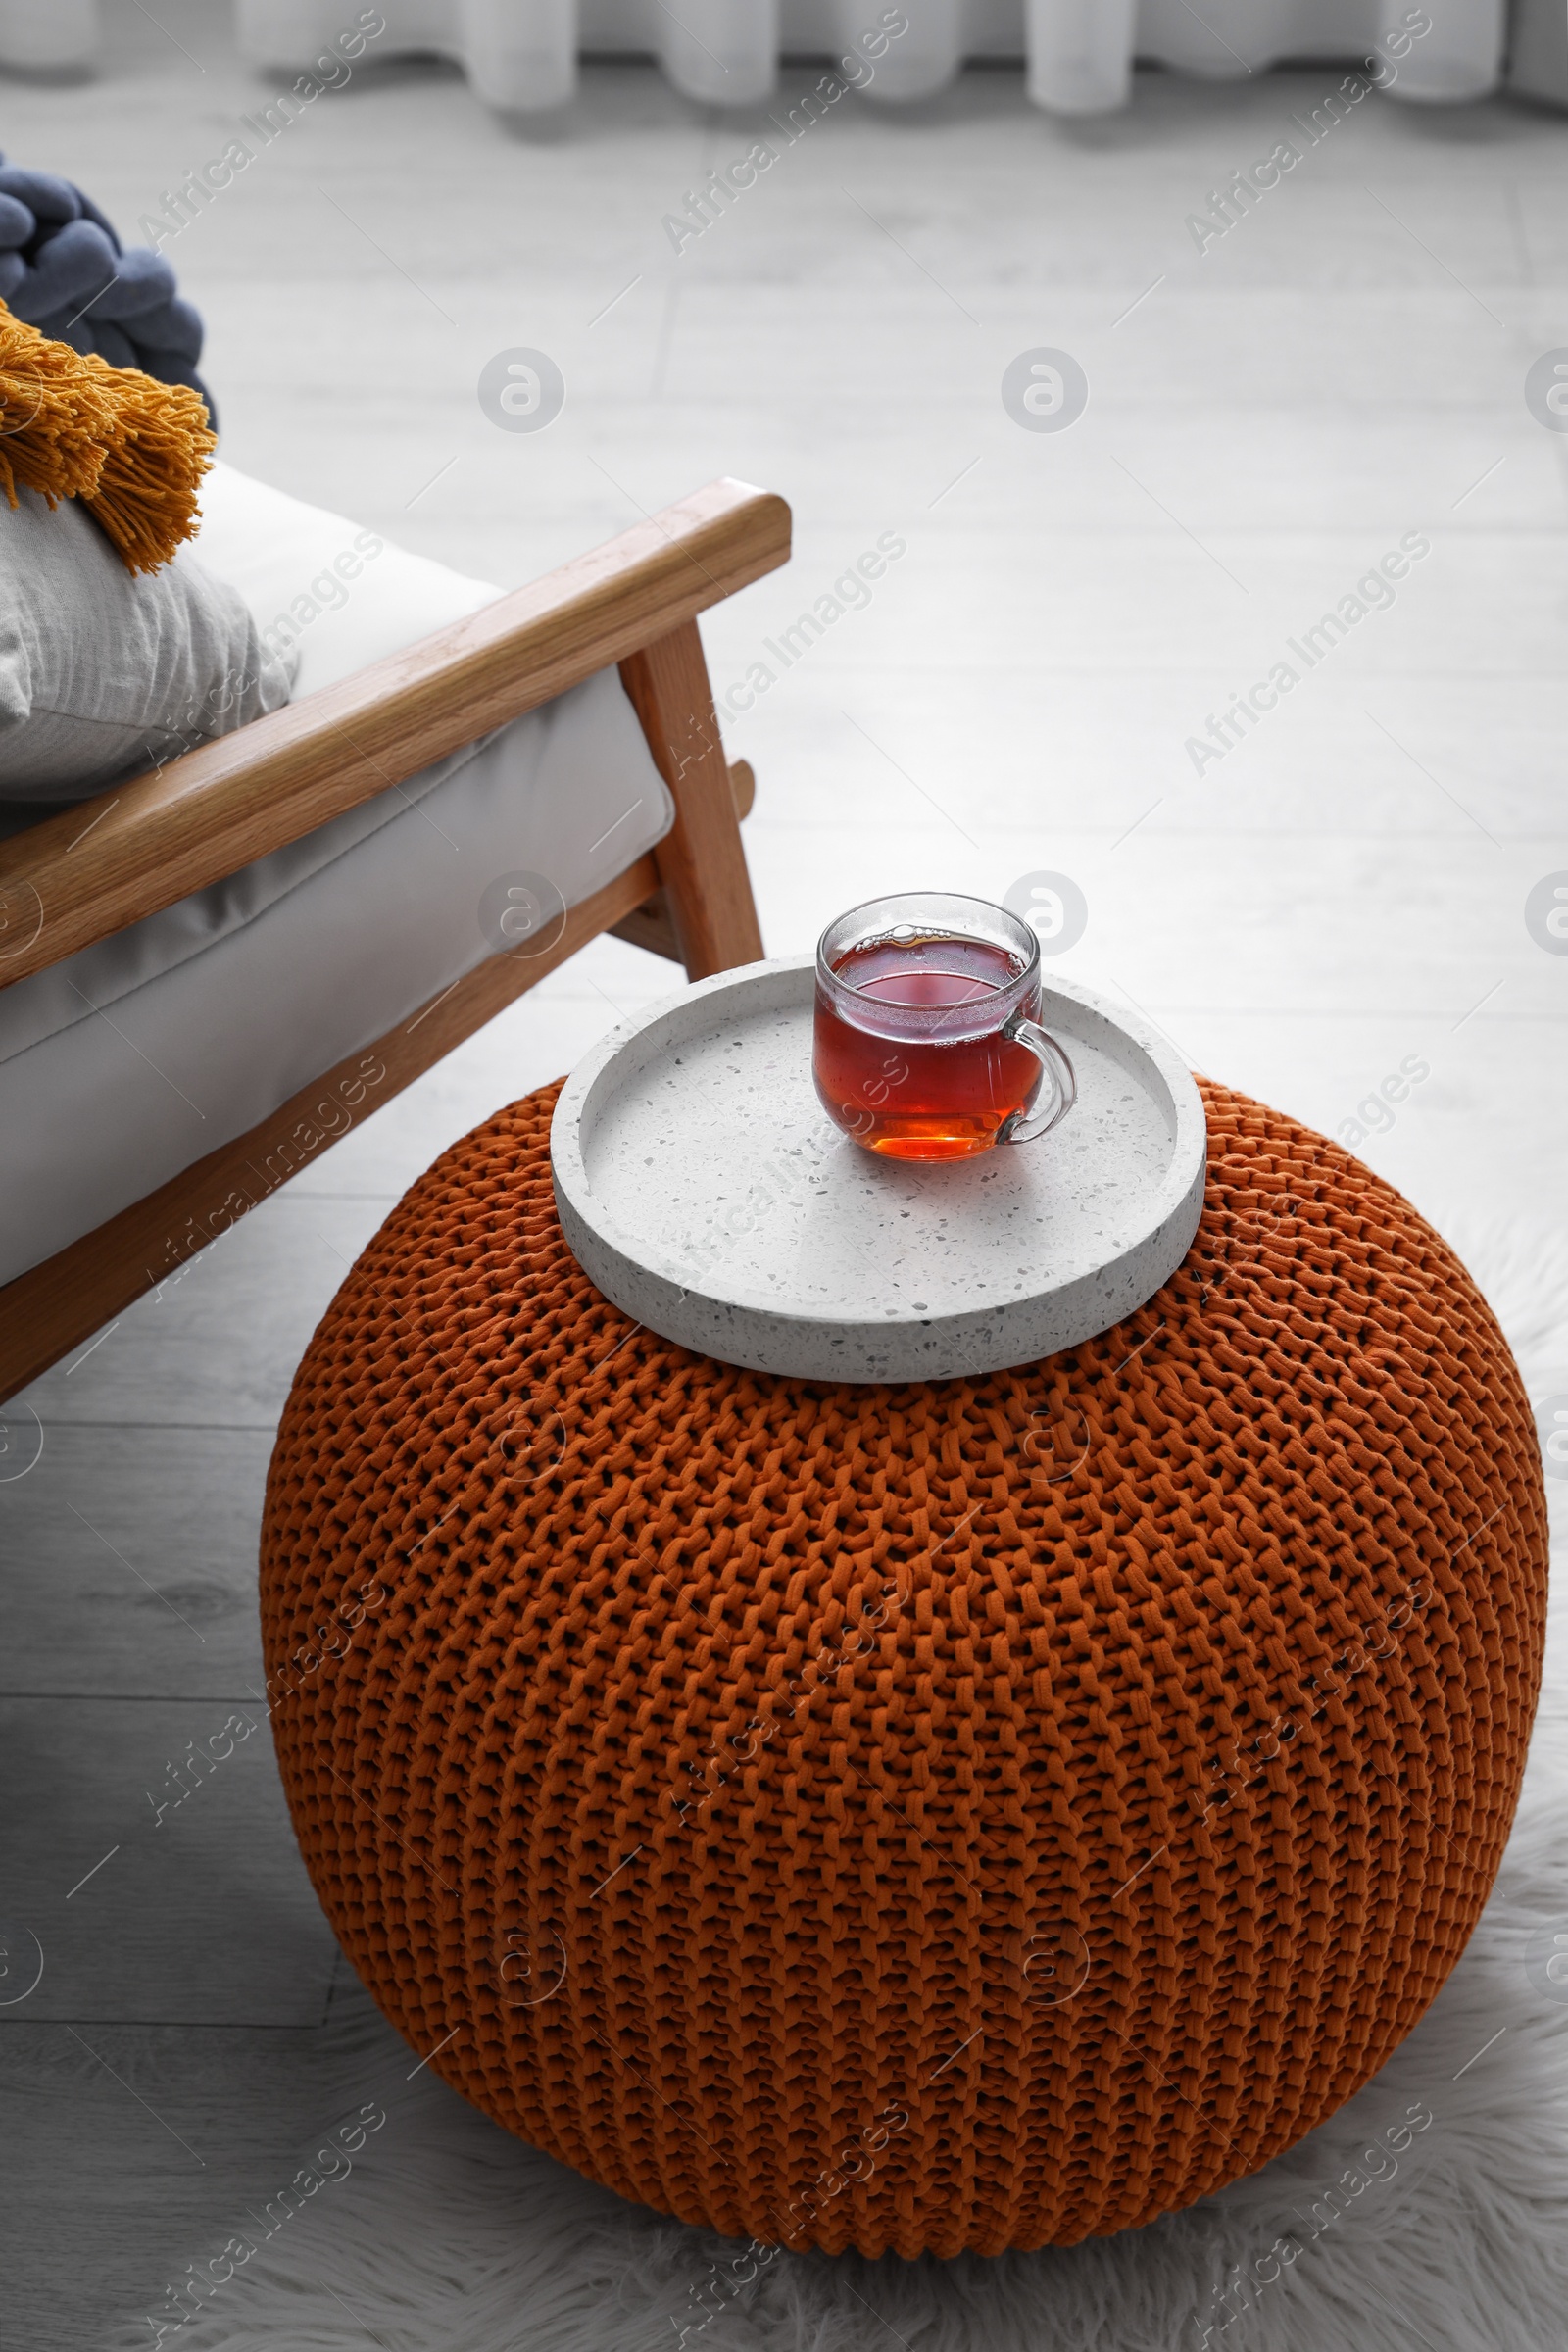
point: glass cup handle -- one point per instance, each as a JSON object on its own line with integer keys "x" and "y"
{"x": 1025, "y": 1126}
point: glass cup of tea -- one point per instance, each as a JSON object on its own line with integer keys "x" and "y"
{"x": 928, "y": 1044}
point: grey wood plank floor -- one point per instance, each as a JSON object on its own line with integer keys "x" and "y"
{"x": 1344, "y": 889}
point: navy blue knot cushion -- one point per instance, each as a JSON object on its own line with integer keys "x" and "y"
{"x": 64, "y": 270}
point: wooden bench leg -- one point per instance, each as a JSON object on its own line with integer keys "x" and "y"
{"x": 700, "y": 861}
{"x": 652, "y": 927}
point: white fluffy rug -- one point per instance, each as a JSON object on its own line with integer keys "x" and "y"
{"x": 448, "y": 2237}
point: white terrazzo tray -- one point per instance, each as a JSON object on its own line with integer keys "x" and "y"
{"x": 704, "y": 1190}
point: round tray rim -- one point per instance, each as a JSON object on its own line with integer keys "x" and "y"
{"x": 1172, "y": 1217}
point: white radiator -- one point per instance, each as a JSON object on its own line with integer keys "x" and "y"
{"x": 521, "y": 55}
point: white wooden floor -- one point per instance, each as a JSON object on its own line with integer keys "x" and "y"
{"x": 1342, "y": 891}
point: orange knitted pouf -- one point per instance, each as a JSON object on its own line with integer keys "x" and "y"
{"x": 970, "y": 1815}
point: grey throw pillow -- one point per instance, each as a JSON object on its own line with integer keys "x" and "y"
{"x": 103, "y": 673}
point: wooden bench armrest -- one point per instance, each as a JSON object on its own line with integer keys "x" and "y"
{"x": 142, "y": 844}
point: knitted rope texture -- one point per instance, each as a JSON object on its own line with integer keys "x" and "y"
{"x": 64, "y": 270}
{"x": 961, "y": 1816}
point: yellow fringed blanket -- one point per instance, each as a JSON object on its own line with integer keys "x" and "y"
{"x": 131, "y": 449}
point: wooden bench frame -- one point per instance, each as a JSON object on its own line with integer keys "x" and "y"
{"x": 92, "y": 870}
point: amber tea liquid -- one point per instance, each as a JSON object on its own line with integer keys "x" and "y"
{"x": 911, "y": 1064}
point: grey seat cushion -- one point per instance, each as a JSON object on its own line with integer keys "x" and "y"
{"x": 104, "y": 673}
{"x": 140, "y": 1054}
